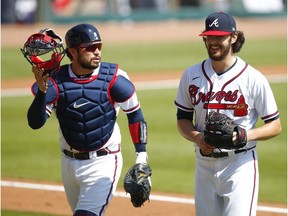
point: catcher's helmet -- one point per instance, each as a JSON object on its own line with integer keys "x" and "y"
{"x": 40, "y": 44}
{"x": 82, "y": 33}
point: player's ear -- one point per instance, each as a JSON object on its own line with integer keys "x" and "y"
{"x": 72, "y": 52}
{"x": 234, "y": 37}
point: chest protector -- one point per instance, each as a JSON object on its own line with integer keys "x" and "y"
{"x": 84, "y": 109}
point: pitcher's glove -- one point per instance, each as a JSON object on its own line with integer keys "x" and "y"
{"x": 219, "y": 132}
{"x": 137, "y": 183}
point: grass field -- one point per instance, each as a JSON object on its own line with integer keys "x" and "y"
{"x": 157, "y": 57}
{"x": 35, "y": 155}
{"x": 14, "y": 213}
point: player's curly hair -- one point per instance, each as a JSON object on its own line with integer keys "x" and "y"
{"x": 236, "y": 47}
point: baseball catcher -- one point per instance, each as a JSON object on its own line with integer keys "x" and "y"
{"x": 219, "y": 129}
{"x": 137, "y": 183}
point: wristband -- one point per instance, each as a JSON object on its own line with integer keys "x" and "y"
{"x": 138, "y": 132}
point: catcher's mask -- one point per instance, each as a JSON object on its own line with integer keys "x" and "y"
{"x": 41, "y": 44}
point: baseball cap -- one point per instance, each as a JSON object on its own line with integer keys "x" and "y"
{"x": 219, "y": 24}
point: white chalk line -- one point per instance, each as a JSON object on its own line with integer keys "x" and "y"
{"x": 171, "y": 199}
{"x": 140, "y": 85}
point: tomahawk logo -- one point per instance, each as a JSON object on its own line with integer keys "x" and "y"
{"x": 215, "y": 23}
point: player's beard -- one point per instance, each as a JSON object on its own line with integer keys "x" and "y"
{"x": 88, "y": 64}
{"x": 222, "y": 48}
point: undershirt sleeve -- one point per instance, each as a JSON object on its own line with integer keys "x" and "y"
{"x": 36, "y": 114}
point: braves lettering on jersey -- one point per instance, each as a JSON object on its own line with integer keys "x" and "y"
{"x": 237, "y": 94}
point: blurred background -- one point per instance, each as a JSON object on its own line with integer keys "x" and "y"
{"x": 152, "y": 40}
{"x": 65, "y": 11}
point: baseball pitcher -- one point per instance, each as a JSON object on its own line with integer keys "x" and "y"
{"x": 218, "y": 103}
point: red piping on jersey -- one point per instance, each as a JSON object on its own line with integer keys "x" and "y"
{"x": 132, "y": 109}
{"x": 265, "y": 118}
{"x": 184, "y": 108}
{"x": 110, "y": 86}
{"x": 227, "y": 83}
{"x": 84, "y": 79}
{"x": 207, "y": 77}
{"x": 254, "y": 185}
{"x": 48, "y": 111}
{"x": 110, "y": 191}
{"x": 211, "y": 86}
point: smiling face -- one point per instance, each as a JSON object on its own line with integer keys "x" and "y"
{"x": 218, "y": 47}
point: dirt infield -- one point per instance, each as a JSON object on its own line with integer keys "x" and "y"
{"x": 53, "y": 202}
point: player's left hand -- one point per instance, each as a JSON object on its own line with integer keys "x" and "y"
{"x": 221, "y": 132}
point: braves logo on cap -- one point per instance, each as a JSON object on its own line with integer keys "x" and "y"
{"x": 219, "y": 24}
{"x": 215, "y": 23}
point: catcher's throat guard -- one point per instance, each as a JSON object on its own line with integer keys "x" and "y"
{"x": 43, "y": 43}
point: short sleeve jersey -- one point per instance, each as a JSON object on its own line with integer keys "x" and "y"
{"x": 242, "y": 93}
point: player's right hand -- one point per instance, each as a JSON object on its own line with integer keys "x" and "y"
{"x": 40, "y": 78}
{"x": 204, "y": 147}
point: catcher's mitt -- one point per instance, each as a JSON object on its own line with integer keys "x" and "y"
{"x": 219, "y": 132}
{"x": 137, "y": 183}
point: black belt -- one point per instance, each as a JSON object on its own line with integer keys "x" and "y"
{"x": 83, "y": 155}
{"x": 225, "y": 154}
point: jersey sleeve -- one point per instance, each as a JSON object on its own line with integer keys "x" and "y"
{"x": 265, "y": 102}
{"x": 183, "y": 100}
